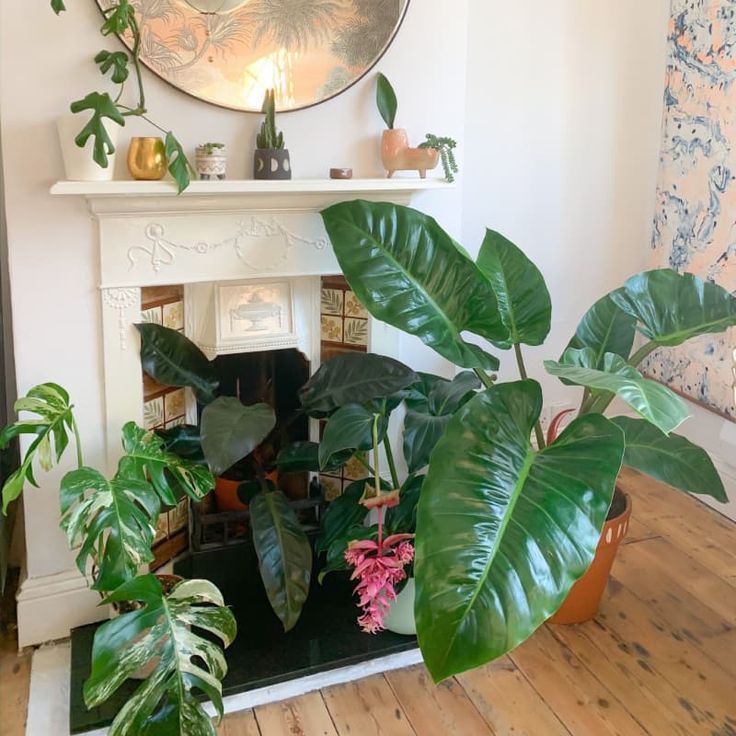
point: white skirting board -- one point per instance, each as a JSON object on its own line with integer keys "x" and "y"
{"x": 48, "y": 702}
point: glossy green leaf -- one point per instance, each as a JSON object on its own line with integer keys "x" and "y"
{"x": 102, "y": 106}
{"x": 672, "y": 308}
{"x": 402, "y": 519}
{"x": 165, "y": 635}
{"x": 301, "y": 457}
{"x": 179, "y": 166}
{"x": 354, "y": 378}
{"x": 231, "y": 431}
{"x": 118, "y": 19}
{"x": 174, "y": 360}
{"x": 670, "y": 458}
{"x": 284, "y": 555}
{"x": 342, "y": 514}
{"x": 58, "y": 6}
{"x": 114, "y": 521}
{"x": 386, "y": 100}
{"x": 145, "y": 458}
{"x": 117, "y": 61}
{"x": 651, "y": 400}
{"x": 523, "y": 299}
{"x": 503, "y": 531}
{"x": 335, "y": 560}
{"x": 349, "y": 428}
{"x": 408, "y": 272}
{"x": 183, "y": 440}
{"x": 50, "y": 427}
{"x": 605, "y": 328}
{"x": 430, "y": 404}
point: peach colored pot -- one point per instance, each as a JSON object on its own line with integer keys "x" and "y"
{"x": 397, "y": 155}
{"x": 226, "y": 495}
{"x": 584, "y": 598}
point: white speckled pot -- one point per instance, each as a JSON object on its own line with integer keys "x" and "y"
{"x": 400, "y": 617}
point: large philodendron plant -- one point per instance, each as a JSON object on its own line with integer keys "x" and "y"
{"x": 111, "y": 523}
{"x": 506, "y": 523}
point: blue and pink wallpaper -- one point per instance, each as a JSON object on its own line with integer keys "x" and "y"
{"x": 695, "y": 220}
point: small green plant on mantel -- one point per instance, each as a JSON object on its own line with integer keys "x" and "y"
{"x": 269, "y": 137}
{"x": 120, "y": 19}
{"x": 505, "y": 525}
{"x": 209, "y": 148}
{"x": 111, "y": 523}
{"x": 446, "y": 148}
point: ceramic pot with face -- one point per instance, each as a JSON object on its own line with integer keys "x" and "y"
{"x": 271, "y": 163}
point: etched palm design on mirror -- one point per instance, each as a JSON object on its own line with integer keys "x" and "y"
{"x": 228, "y": 52}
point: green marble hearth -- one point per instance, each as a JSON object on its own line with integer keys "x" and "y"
{"x": 325, "y": 638}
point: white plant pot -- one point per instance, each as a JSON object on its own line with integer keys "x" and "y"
{"x": 78, "y": 162}
{"x": 400, "y": 617}
{"x": 212, "y": 166}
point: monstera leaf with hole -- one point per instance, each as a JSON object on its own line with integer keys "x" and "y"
{"x": 102, "y": 106}
{"x": 179, "y": 166}
{"x": 284, "y": 555}
{"x": 429, "y": 405}
{"x": 115, "y": 60}
{"x": 354, "y": 378}
{"x": 671, "y": 459}
{"x": 651, "y": 400}
{"x": 174, "y": 360}
{"x": 114, "y": 521}
{"x": 146, "y": 459}
{"x": 349, "y": 428}
{"x": 408, "y": 272}
{"x": 605, "y": 328}
{"x": 51, "y": 427}
{"x": 231, "y": 431}
{"x": 179, "y": 636}
{"x": 523, "y": 300}
{"x": 503, "y": 531}
{"x": 671, "y": 308}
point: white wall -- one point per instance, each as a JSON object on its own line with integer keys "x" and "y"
{"x": 562, "y": 139}
{"x": 52, "y": 245}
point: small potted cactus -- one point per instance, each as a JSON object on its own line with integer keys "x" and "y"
{"x": 271, "y": 159}
{"x": 210, "y": 161}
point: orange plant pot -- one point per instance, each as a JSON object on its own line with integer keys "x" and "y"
{"x": 226, "y": 495}
{"x": 584, "y": 598}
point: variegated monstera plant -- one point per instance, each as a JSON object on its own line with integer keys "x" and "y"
{"x": 112, "y": 523}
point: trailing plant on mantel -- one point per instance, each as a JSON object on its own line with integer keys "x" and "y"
{"x": 506, "y": 525}
{"x": 120, "y": 19}
{"x": 446, "y": 148}
{"x": 111, "y": 522}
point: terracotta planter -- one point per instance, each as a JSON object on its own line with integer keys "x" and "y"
{"x": 585, "y": 596}
{"x": 397, "y": 155}
{"x": 271, "y": 163}
{"x": 226, "y": 495}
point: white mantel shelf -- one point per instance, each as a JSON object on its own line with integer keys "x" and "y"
{"x": 246, "y": 186}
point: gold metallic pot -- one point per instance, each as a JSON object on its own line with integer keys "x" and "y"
{"x": 147, "y": 158}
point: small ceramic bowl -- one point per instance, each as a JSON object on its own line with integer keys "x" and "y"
{"x": 341, "y": 173}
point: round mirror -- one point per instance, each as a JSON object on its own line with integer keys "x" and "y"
{"x": 229, "y": 52}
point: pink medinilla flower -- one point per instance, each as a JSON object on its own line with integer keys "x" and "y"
{"x": 379, "y": 566}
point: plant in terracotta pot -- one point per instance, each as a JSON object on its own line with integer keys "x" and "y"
{"x": 507, "y": 523}
{"x": 148, "y": 158}
{"x": 396, "y": 154}
{"x": 111, "y": 522}
{"x": 228, "y": 433}
{"x": 210, "y": 161}
{"x": 271, "y": 158}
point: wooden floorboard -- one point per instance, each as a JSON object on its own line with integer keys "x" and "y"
{"x": 658, "y": 660}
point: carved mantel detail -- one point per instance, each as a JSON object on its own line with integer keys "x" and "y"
{"x": 121, "y": 300}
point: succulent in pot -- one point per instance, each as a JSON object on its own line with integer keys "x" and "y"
{"x": 210, "y": 161}
{"x": 271, "y": 159}
{"x": 229, "y": 433}
{"x": 517, "y": 520}
{"x": 111, "y": 522}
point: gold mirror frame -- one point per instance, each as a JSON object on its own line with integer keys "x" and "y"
{"x": 228, "y": 52}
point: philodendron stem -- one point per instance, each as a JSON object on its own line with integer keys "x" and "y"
{"x": 391, "y": 463}
{"x": 541, "y": 444}
{"x": 485, "y": 379}
{"x": 376, "y": 463}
